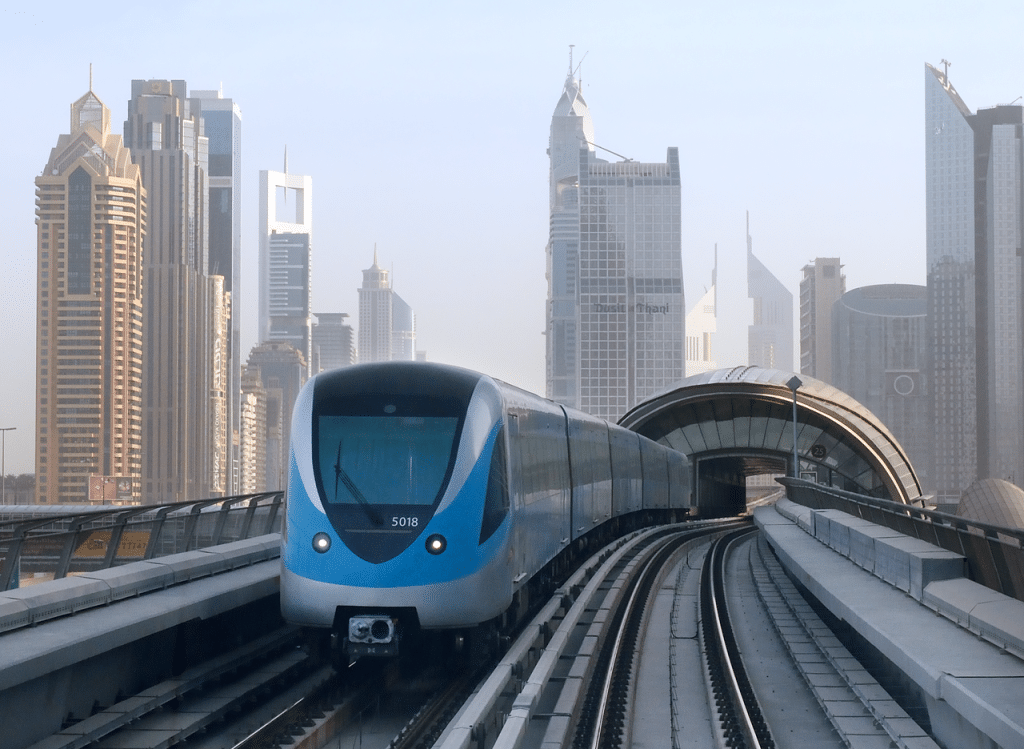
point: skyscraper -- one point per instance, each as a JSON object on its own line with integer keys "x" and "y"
{"x": 281, "y": 371}
{"x": 387, "y": 325}
{"x": 701, "y": 326}
{"x": 253, "y": 434}
{"x": 184, "y": 441}
{"x": 770, "y": 335}
{"x": 879, "y": 356}
{"x": 333, "y": 344}
{"x": 286, "y": 246}
{"x": 91, "y": 224}
{"x": 822, "y": 285}
{"x": 974, "y": 216}
{"x": 222, "y": 126}
{"x": 615, "y": 311}
{"x": 571, "y": 130}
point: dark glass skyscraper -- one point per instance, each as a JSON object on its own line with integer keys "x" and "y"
{"x": 222, "y": 126}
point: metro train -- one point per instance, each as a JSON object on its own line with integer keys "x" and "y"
{"x": 428, "y": 497}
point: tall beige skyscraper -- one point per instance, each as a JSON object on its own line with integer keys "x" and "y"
{"x": 90, "y": 225}
{"x": 185, "y": 378}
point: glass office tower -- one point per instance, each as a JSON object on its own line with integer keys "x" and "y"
{"x": 974, "y": 216}
{"x": 615, "y": 312}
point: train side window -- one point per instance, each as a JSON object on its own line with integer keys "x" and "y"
{"x": 497, "y": 499}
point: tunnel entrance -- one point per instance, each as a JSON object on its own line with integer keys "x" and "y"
{"x": 738, "y": 423}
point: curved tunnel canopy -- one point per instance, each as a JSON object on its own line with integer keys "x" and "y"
{"x": 738, "y": 422}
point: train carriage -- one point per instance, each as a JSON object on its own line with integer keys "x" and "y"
{"x": 427, "y": 497}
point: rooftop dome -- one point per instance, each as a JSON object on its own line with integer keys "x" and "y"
{"x": 993, "y": 501}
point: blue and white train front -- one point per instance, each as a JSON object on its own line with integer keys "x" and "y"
{"x": 397, "y": 504}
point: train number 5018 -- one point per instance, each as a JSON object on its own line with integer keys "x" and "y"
{"x": 397, "y": 522}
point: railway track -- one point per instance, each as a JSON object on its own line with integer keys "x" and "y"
{"x": 567, "y": 680}
{"x": 741, "y": 721}
{"x": 570, "y": 679}
{"x": 196, "y": 701}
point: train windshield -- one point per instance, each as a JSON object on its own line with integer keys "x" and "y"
{"x": 384, "y": 460}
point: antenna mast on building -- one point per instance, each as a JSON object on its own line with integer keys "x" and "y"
{"x": 945, "y": 70}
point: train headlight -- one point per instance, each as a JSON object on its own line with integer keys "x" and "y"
{"x": 371, "y": 629}
{"x": 436, "y": 544}
{"x": 321, "y": 542}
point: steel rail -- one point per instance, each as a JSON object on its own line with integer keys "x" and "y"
{"x": 620, "y": 667}
{"x": 738, "y": 702}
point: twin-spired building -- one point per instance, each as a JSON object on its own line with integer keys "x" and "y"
{"x": 286, "y": 254}
{"x": 615, "y": 313}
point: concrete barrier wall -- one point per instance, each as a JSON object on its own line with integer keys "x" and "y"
{"x": 966, "y": 665}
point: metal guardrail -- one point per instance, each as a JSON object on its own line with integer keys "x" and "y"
{"x": 995, "y": 555}
{"x": 87, "y": 541}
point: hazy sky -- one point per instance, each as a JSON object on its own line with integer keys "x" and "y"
{"x": 424, "y": 127}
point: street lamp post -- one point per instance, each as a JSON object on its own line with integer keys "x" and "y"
{"x": 3, "y": 463}
{"x": 793, "y": 384}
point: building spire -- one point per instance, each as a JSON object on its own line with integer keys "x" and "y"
{"x": 90, "y": 77}
{"x": 286, "y": 158}
{"x": 374, "y": 253}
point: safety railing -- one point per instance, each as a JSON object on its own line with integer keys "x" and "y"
{"x": 995, "y": 555}
{"x": 55, "y": 546}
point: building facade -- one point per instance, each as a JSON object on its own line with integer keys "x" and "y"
{"x": 615, "y": 312}
{"x": 222, "y": 125}
{"x": 403, "y": 330}
{"x": 184, "y": 441}
{"x": 822, "y": 285}
{"x": 770, "y": 335}
{"x": 880, "y": 355}
{"x": 572, "y": 129}
{"x": 333, "y": 342}
{"x": 974, "y": 214}
{"x": 280, "y": 370}
{"x": 701, "y": 326}
{"x": 286, "y": 253}
{"x": 90, "y": 232}
{"x": 253, "y": 434}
